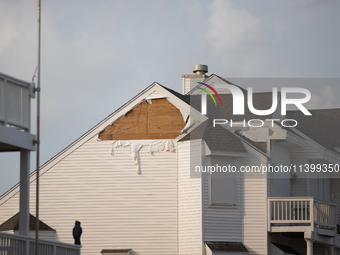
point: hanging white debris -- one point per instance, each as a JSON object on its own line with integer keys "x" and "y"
{"x": 165, "y": 145}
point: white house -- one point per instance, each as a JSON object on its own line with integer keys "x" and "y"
{"x": 138, "y": 184}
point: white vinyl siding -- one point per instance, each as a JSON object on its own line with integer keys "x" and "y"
{"x": 255, "y": 198}
{"x": 300, "y": 186}
{"x": 189, "y": 200}
{"x": 222, "y": 223}
{"x": 117, "y": 208}
{"x": 321, "y": 186}
{"x": 189, "y": 83}
{"x": 335, "y": 192}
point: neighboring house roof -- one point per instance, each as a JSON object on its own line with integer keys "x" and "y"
{"x": 226, "y": 246}
{"x": 13, "y": 224}
{"x": 116, "y": 251}
{"x": 322, "y": 126}
{"x": 184, "y": 98}
{"x": 286, "y": 249}
{"x": 217, "y": 138}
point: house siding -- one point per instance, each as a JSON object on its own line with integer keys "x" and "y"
{"x": 117, "y": 207}
{"x": 335, "y": 194}
{"x": 189, "y": 83}
{"x": 222, "y": 223}
{"x": 299, "y": 156}
{"x": 280, "y": 156}
{"x": 254, "y": 202}
{"x": 189, "y": 200}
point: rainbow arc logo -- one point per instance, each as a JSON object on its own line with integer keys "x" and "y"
{"x": 208, "y": 92}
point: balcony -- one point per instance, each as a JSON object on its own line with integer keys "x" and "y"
{"x": 302, "y": 214}
{"x": 15, "y": 114}
{"x": 15, "y": 244}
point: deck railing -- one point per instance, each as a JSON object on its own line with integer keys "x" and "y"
{"x": 301, "y": 211}
{"x": 17, "y": 245}
{"x": 15, "y": 104}
{"x": 325, "y": 213}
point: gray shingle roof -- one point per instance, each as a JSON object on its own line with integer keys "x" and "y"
{"x": 115, "y": 251}
{"x": 13, "y": 224}
{"x": 323, "y": 126}
{"x": 227, "y": 246}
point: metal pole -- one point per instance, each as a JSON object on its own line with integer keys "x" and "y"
{"x": 38, "y": 136}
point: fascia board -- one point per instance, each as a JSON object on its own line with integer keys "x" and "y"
{"x": 319, "y": 148}
{"x": 253, "y": 151}
{"x": 332, "y": 157}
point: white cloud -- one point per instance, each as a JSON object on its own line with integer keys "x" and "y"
{"x": 236, "y": 38}
{"x": 231, "y": 29}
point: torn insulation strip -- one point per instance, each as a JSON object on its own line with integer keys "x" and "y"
{"x": 166, "y": 145}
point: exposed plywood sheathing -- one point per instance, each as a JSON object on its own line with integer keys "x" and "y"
{"x": 158, "y": 120}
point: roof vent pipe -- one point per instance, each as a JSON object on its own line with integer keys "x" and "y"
{"x": 200, "y": 69}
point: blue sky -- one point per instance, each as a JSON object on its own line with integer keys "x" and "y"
{"x": 96, "y": 55}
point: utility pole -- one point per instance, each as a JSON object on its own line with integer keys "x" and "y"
{"x": 38, "y": 134}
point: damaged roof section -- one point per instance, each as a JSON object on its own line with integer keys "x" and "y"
{"x": 156, "y": 119}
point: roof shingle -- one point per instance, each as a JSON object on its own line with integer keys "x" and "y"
{"x": 227, "y": 246}
{"x": 13, "y": 224}
{"x": 323, "y": 126}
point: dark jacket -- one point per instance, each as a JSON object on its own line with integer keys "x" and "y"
{"x": 77, "y": 230}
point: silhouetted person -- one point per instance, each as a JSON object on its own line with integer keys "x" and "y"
{"x": 77, "y": 230}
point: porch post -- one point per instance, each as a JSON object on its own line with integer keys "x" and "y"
{"x": 309, "y": 246}
{"x": 24, "y": 192}
{"x": 331, "y": 250}
{"x": 24, "y": 195}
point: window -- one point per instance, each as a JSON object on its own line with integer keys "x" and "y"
{"x": 223, "y": 185}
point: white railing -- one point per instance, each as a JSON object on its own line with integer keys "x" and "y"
{"x": 305, "y": 212}
{"x": 325, "y": 213}
{"x": 15, "y": 104}
{"x": 16, "y": 245}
